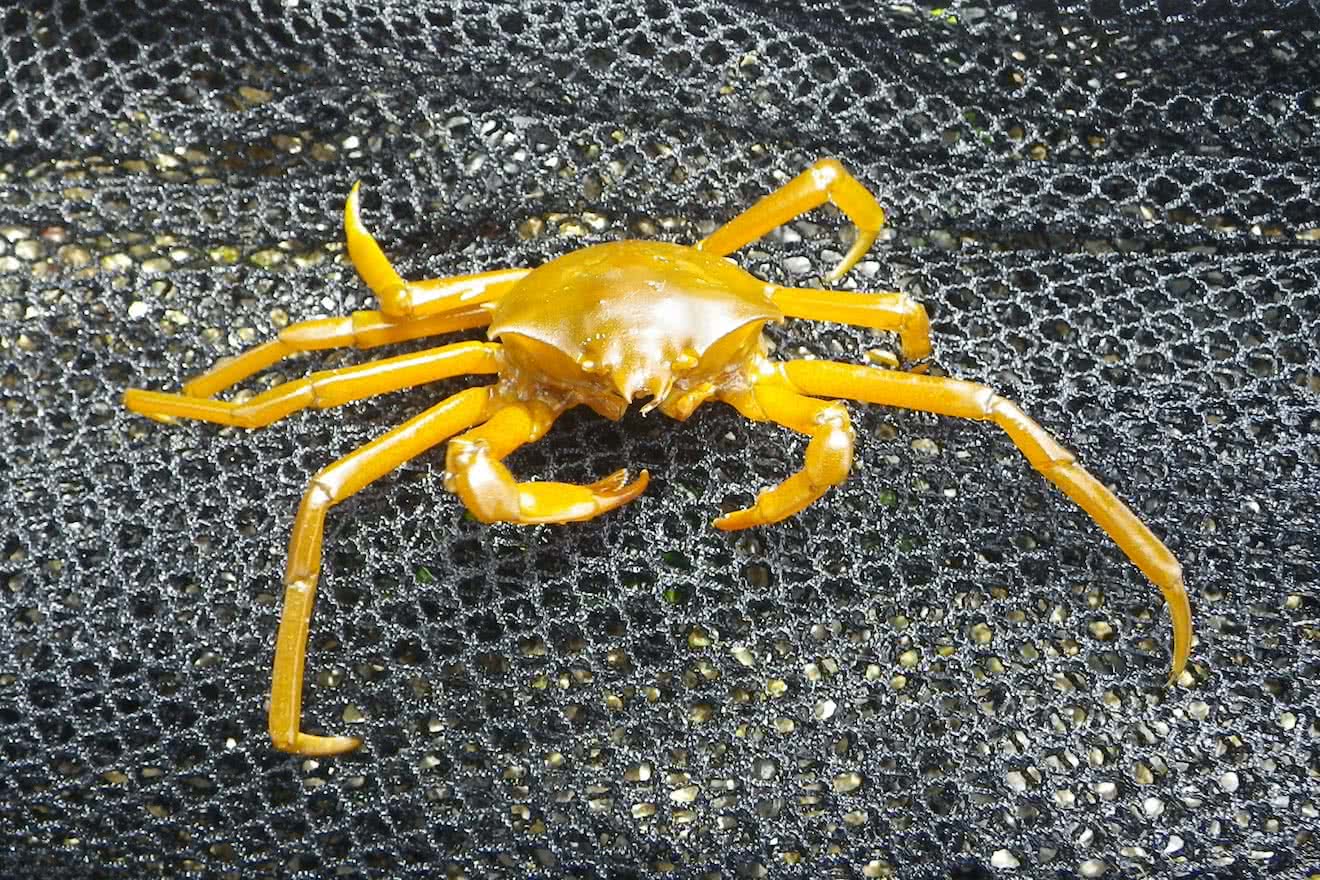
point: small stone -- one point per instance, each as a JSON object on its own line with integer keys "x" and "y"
{"x": 743, "y": 656}
{"x": 1094, "y": 868}
{"x": 30, "y": 249}
{"x": 847, "y": 783}
{"x": 1101, "y": 630}
{"x": 254, "y": 95}
{"x": 267, "y": 258}
{"x": 926, "y": 447}
{"x": 685, "y": 795}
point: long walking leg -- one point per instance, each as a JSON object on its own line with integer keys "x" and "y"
{"x": 954, "y": 397}
{"x": 324, "y": 389}
{"x": 330, "y": 486}
{"x": 825, "y": 181}
{"x": 895, "y": 312}
{"x": 416, "y": 299}
{"x": 829, "y": 453}
{"x": 359, "y": 330}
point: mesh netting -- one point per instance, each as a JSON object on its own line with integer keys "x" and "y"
{"x": 941, "y": 669}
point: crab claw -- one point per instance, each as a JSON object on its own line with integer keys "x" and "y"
{"x": 564, "y": 502}
{"x": 492, "y": 495}
{"x": 615, "y": 490}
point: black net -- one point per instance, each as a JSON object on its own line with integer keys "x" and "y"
{"x": 942, "y": 669}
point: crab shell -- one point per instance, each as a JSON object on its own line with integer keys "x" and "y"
{"x": 614, "y": 322}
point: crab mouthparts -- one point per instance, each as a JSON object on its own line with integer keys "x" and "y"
{"x": 632, "y": 384}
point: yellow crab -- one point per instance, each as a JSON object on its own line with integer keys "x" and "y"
{"x": 604, "y": 326}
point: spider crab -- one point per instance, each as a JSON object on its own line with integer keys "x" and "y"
{"x": 604, "y": 326}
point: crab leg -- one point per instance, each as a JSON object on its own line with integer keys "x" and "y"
{"x": 412, "y": 310}
{"x": 896, "y": 312}
{"x": 825, "y": 181}
{"x": 330, "y": 486}
{"x": 829, "y": 453}
{"x": 360, "y": 330}
{"x": 324, "y": 389}
{"x": 416, "y": 299}
{"x": 953, "y": 397}
{"x": 477, "y": 474}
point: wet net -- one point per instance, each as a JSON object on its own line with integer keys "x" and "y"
{"x": 942, "y": 669}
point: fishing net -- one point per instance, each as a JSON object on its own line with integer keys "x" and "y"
{"x": 942, "y": 669}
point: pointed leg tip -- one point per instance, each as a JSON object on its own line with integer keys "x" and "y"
{"x": 862, "y": 244}
{"x": 735, "y": 521}
{"x": 1176, "y": 672}
{"x": 353, "y": 210}
{"x": 616, "y": 485}
{"x": 1180, "y": 611}
{"x": 319, "y": 746}
{"x": 628, "y": 491}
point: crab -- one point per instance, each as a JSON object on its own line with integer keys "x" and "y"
{"x": 602, "y": 327}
